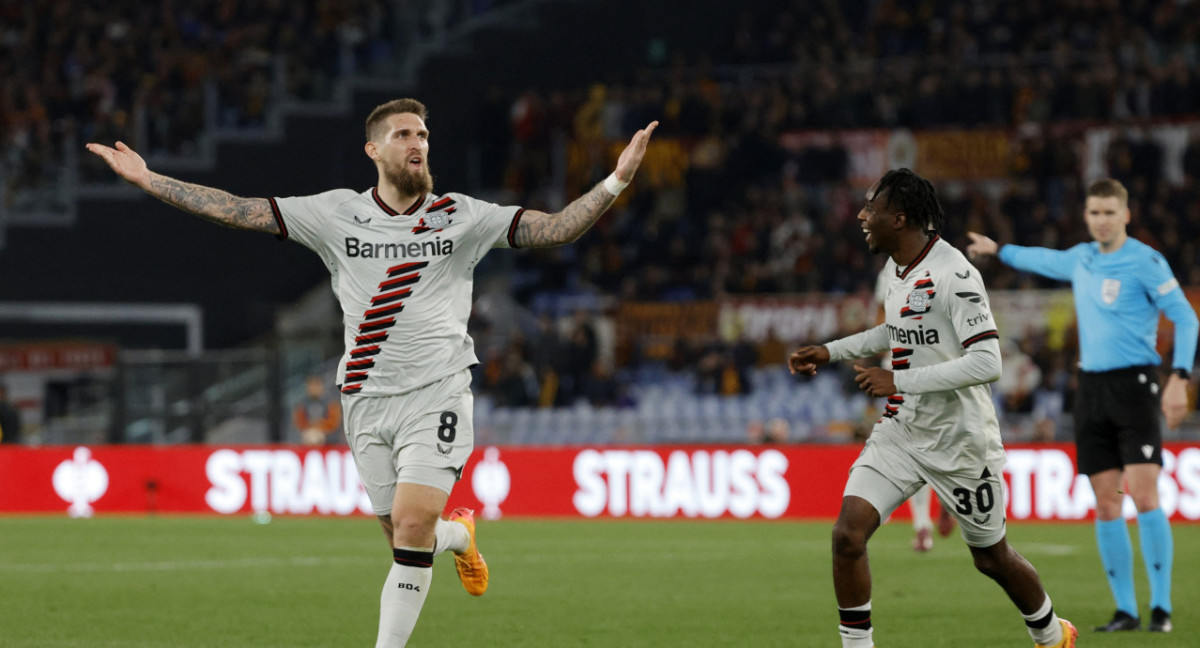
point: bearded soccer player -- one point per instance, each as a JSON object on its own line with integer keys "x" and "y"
{"x": 401, "y": 260}
{"x": 939, "y": 425}
{"x": 1121, "y": 286}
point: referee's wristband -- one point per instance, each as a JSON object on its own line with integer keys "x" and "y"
{"x": 1182, "y": 373}
{"x": 614, "y": 185}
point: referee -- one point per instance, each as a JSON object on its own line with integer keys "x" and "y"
{"x": 1120, "y": 286}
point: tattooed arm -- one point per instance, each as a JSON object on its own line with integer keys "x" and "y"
{"x": 539, "y": 229}
{"x": 214, "y": 205}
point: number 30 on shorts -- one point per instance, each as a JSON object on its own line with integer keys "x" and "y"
{"x": 447, "y": 431}
{"x": 985, "y": 499}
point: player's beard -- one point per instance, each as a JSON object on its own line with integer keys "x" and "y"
{"x": 411, "y": 183}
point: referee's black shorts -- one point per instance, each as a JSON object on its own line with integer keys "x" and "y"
{"x": 1118, "y": 419}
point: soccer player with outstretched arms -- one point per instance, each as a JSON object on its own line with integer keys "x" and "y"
{"x": 401, "y": 260}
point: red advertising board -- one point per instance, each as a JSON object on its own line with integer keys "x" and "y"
{"x": 765, "y": 482}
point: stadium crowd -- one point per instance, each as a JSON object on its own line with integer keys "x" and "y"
{"x": 737, "y": 212}
{"x": 163, "y": 75}
{"x": 749, "y": 215}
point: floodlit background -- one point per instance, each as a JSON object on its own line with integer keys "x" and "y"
{"x": 123, "y": 320}
{"x": 140, "y": 346}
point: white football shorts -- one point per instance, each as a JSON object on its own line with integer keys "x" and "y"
{"x": 888, "y": 472}
{"x": 423, "y": 436}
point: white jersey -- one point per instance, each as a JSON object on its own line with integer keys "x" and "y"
{"x": 936, "y": 312}
{"x": 404, "y": 280}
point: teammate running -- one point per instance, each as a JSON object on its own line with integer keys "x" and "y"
{"x": 401, "y": 259}
{"x": 939, "y": 425}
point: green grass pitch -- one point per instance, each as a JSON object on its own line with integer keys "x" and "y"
{"x": 180, "y": 582}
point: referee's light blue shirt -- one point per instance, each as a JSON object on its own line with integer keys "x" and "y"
{"x": 1118, "y": 297}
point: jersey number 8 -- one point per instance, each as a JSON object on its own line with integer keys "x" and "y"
{"x": 446, "y": 431}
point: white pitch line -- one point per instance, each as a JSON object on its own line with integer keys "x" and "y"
{"x": 184, "y": 565}
{"x": 1046, "y": 548}
{"x": 1031, "y": 548}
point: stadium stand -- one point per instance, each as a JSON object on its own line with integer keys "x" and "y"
{"x": 743, "y": 200}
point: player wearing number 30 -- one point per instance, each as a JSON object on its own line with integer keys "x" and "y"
{"x": 401, "y": 261}
{"x": 939, "y": 425}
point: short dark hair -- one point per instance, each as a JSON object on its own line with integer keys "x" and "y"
{"x": 393, "y": 107}
{"x": 1108, "y": 188}
{"x": 914, "y": 196}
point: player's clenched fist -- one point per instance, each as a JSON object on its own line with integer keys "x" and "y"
{"x": 805, "y": 359}
{"x": 876, "y": 381}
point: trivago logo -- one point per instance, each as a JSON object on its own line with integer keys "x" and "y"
{"x": 278, "y": 481}
{"x": 698, "y": 483}
{"x": 1043, "y": 485}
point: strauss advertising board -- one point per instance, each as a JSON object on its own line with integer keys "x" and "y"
{"x": 734, "y": 482}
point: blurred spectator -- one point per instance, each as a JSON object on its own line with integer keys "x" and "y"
{"x": 579, "y": 357}
{"x": 755, "y": 431}
{"x": 723, "y": 369}
{"x": 1048, "y": 404}
{"x": 604, "y": 390}
{"x": 10, "y": 419}
{"x": 710, "y": 367}
{"x": 1020, "y": 379}
{"x": 318, "y": 417}
{"x": 778, "y": 430}
{"x": 510, "y": 379}
{"x": 546, "y": 356}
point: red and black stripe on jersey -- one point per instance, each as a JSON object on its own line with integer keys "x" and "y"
{"x": 283, "y": 233}
{"x": 376, "y": 325}
{"x": 389, "y": 297}
{"x": 893, "y": 405}
{"x": 398, "y": 282}
{"x": 900, "y": 359}
{"x": 444, "y": 204}
{"x": 925, "y": 284}
{"x": 364, "y": 351}
{"x": 512, "y": 228}
{"x": 920, "y": 257}
{"x": 979, "y": 337}
{"x": 371, "y": 338}
{"x": 385, "y": 310}
{"x": 378, "y": 318}
{"x": 412, "y": 209}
